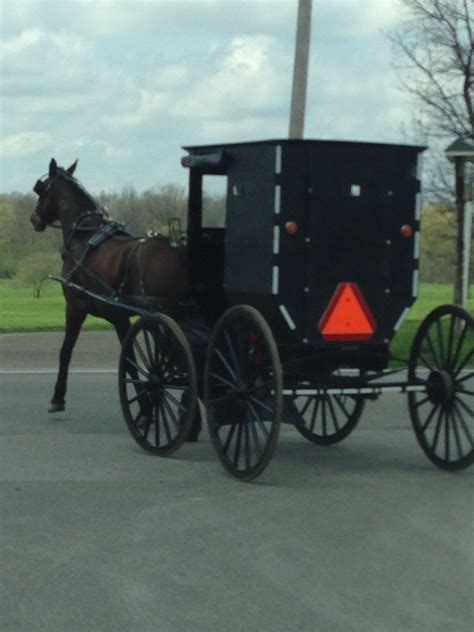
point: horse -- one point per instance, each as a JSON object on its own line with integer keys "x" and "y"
{"x": 103, "y": 258}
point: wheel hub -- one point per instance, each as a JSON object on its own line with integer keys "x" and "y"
{"x": 440, "y": 387}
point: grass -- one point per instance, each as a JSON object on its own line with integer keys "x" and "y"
{"x": 20, "y": 312}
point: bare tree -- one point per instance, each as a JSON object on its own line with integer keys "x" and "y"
{"x": 433, "y": 50}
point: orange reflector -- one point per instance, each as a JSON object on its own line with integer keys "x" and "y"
{"x": 406, "y": 230}
{"x": 347, "y": 317}
{"x": 291, "y": 228}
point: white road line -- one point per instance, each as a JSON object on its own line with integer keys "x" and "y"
{"x": 52, "y": 371}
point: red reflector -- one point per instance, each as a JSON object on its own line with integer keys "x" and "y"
{"x": 347, "y": 317}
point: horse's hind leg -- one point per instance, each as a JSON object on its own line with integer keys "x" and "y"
{"x": 74, "y": 321}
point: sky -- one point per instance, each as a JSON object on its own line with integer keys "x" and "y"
{"x": 123, "y": 85}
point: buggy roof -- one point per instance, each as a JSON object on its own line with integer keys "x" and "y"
{"x": 285, "y": 141}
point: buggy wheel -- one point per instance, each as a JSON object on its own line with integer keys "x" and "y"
{"x": 442, "y": 356}
{"x": 327, "y": 418}
{"x": 243, "y": 391}
{"x": 157, "y": 384}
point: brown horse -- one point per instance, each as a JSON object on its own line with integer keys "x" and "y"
{"x": 113, "y": 263}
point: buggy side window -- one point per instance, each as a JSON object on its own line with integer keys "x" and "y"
{"x": 214, "y": 194}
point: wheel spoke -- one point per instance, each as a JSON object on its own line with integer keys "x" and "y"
{"x": 164, "y": 419}
{"x": 171, "y": 413}
{"x": 432, "y": 349}
{"x": 344, "y": 410}
{"x": 456, "y": 434}
{"x": 466, "y": 377}
{"x": 422, "y": 401}
{"x": 238, "y": 443}
{"x": 261, "y": 404}
{"x": 425, "y": 362}
{"x": 314, "y": 414}
{"x": 230, "y": 346}
{"x": 255, "y": 436}
{"x": 137, "y": 347}
{"x": 464, "y": 426}
{"x": 138, "y": 368}
{"x": 446, "y": 437}
{"x": 459, "y": 345}
{"x": 146, "y": 334}
{"x": 333, "y": 414}
{"x": 257, "y": 418}
{"x": 137, "y": 396}
{"x": 230, "y": 371}
{"x": 223, "y": 381}
{"x": 429, "y": 419}
{"x": 173, "y": 399}
{"x": 441, "y": 342}
{"x": 439, "y": 422}
{"x": 228, "y": 440}
{"x": 464, "y": 363}
{"x": 467, "y": 408}
{"x": 247, "y": 444}
{"x": 306, "y": 405}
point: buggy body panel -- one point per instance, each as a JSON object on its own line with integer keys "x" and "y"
{"x": 349, "y": 202}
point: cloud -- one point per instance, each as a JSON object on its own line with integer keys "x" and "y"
{"x": 149, "y": 105}
{"x": 247, "y": 78}
{"x": 16, "y": 45}
{"x": 109, "y": 150}
{"x": 24, "y": 143}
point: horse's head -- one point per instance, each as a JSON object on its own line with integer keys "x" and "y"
{"x": 47, "y": 208}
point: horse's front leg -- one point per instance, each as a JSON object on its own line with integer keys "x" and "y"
{"x": 74, "y": 320}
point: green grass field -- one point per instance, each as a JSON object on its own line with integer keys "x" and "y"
{"x": 20, "y": 312}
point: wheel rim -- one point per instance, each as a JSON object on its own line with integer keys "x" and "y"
{"x": 243, "y": 392}
{"x": 157, "y": 385}
{"x": 443, "y": 417}
{"x": 328, "y": 418}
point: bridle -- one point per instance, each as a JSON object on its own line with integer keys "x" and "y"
{"x": 42, "y": 189}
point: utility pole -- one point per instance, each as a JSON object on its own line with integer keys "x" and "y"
{"x": 300, "y": 69}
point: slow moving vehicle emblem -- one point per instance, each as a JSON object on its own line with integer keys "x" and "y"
{"x": 347, "y": 317}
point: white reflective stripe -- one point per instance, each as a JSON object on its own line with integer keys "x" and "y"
{"x": 415, "y": 284}
{"x": 278, "y": 159}
{"x": 277, "y": 199}
{"x": 404, "y": 314}
{"x": 286, "y": 315}
{"x": 275, "y": 280}
{"x": 276, "y": 240}
{"x": 419, "y": 167}
{"x": 416, "y": 250}
{"x": 418, "y": 206}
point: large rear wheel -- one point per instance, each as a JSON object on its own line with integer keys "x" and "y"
{"x": 442, "y": 355}
{"x": 243, "y": 392}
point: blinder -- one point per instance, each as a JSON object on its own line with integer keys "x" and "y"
{"x": 41, "y": 187}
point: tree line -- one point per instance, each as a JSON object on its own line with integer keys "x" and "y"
{"x": 29, "y": 257}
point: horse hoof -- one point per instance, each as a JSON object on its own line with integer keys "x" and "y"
{"x": 55, "y": 407}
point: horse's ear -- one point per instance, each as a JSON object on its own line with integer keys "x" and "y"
{"x": 53, "y": 168}
{"x": 72, "y": 168}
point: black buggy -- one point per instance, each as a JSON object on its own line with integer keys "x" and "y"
{"x": 294, "y": 302}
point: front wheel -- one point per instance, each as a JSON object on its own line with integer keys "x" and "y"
{"x": 243, "y": 392}
{"x": 442, "y": 356}
{"x": 157, "y": 384}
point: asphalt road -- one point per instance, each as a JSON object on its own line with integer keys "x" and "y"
{"x": 96, "y": 535}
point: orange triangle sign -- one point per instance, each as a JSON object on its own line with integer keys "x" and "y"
{"x": 347, "y": 317}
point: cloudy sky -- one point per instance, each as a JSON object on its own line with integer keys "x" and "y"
{"x": 122, "y": 85}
